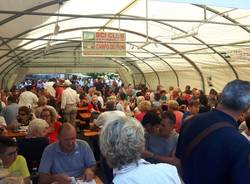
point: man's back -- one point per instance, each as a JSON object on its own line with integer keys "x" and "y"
{"x": 10, "y": 113}
{"x": 69, "y": 96}
{"x": 222, "y": 157}
{"x": 27, "y": 98}
{"x": 145, "y": 173}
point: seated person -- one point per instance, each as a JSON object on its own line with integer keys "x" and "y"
{"x": 3, "y": 126}
{"x": 66, "y": 158}
{"x": 35, "y": 140}
{"x": 84, "y": 102}
{"x": 122, "y": 143}
{"x": 50, "y": 116}
{"x": 101, "y": 120}
{"x": 161, "y": 147}
{"x": 95, "y": 107}
{"x": 16, "y": 164}
{"x": 11, "y": 110}
{"x": 104, "y": 116}
{"x": 23, "y": 118}
{"x": 42, "y": 103}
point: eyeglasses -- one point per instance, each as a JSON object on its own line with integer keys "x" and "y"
{"x": 22, "y": 114}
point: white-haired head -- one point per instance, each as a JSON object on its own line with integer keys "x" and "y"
{"x": 108, "y": 116}
{"x": 37, "y": 128}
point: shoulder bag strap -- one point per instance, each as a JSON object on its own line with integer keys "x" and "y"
{"x": 196, "y": 141}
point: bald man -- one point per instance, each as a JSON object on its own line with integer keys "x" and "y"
{"x": 69, "y": 157}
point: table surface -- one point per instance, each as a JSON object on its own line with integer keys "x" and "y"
{"x": 98, "y": 180}
{"x": 4, "y": 173}
{"x": 82, "y": 108}
{"x": 11, "y": 133}
{"x": 85, "y": 115}
{"x": 91, "y": 133}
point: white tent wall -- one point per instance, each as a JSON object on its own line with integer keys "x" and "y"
{"x": 15, "y": 77}
{"x": 126, "y": 76}
{"x": 192, "y": 78}
{"x": 168, "y": 79}
{"x": 244, "y": 73}
{"x": 139, "y": 79}
{"x": 29, "y": 43}
{"x": 219, "y": 77}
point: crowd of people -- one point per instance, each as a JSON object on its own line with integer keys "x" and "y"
{"x": 147, "y": 136}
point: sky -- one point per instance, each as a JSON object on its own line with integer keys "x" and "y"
{"x": 242, "y": 4}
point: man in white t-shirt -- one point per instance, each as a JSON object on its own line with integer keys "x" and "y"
{"x": 28, "y": 98}
{"x": 70, "y": 99}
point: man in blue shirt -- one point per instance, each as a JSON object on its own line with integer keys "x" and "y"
{"x": 161, "y": 146}
{"x": 67, "y": 158}
{"x": 10, "y": 112}
{"x": 223, "y": 156}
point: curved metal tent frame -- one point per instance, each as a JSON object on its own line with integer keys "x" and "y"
{"x": 82, "y": 28}
{"x": 10, "y": 64}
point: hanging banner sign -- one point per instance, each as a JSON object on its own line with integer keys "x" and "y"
{"x": 242, "y": 4}
{"x": 103, "y": 44}
{"x": 240, "y": 54}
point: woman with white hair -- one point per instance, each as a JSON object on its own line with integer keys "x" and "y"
{"x": 122, "y": 143}
{"x": 32, "y": 146}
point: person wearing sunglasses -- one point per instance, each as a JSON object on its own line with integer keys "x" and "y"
{"x": 16, "y": 164}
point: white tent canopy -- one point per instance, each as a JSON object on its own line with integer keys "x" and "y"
{"x": 167, "y": 43}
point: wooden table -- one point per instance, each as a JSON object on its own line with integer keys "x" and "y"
{"x": 12, "y": 133}
{"x": 82, "y": 109}
{"x": 91, "y": 133}
{"x": 98, "y": 180}
{"x": 85, "y": 115}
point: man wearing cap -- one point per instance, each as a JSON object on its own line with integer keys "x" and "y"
{"x": 70, "y": 99}
{"x": 28, "y": 98}
{"x": 59, "y": 90}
